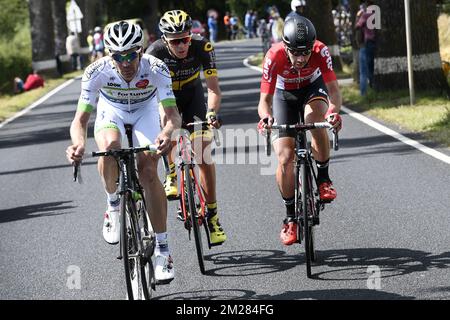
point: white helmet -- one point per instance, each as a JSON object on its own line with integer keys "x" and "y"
{"x": 297, "y": 3}
{"x": 123, "y": 36}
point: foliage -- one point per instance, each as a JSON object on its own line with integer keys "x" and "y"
{"x": 12, "y": 16}
{"x": 15, "y": 58}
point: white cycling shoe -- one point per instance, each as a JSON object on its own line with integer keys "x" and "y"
{"x": 164, "y": 271}
{"x": 111, "y": 226}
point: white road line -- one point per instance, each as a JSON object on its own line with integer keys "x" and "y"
{"x": 38, "y": 102}
{"x": 413, "y": 143}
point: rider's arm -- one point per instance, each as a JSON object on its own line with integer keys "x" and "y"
{"x": 214, "y": 93}
{"x": 265, "y": 105}
{"x": 78, "y": 134}
{"x": 335, "y": 96}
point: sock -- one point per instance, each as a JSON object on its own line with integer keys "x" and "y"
{"x": 211, "y": 209}
{"x": 172, "y": 169}
{"x": 113, "y": 200}
{"x": 322, "y": 171}
{"x": 290, "y": 206}
{"x": 162, "y": 244}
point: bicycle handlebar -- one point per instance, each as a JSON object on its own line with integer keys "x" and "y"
{"x": 117, "y": 153}
{"x": 303, "y": 127}
{"x": 205, "y": 123}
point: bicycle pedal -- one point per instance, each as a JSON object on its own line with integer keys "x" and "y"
{"x": 216, "y": 244}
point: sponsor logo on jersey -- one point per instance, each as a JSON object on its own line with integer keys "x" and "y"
{"x": 112, "y": 84}
{"x": 142, "y": 84}
{"x": 208, "y": 47}
{"x": 266, "y": 67}
{"x": 326, "y": 53}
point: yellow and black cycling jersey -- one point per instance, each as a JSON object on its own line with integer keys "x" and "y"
{"x": 186, "y": 72}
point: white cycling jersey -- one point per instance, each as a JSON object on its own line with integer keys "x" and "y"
{"x": 152, "y": 81}
{"x": 121, "y": 102}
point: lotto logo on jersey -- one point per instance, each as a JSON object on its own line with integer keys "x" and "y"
{"x": 326, "y": 54}
{"x": 142, "y": 84}
{"x": 266, "y": 68}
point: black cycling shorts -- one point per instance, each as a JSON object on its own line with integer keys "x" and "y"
{"x": 288, "y": 106}
{"x": 191, "y": 104}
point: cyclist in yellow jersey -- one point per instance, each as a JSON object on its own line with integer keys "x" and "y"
{"x": 186, "y": 55}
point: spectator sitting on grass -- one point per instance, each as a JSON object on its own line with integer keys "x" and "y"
{"x": 34, "y": 80}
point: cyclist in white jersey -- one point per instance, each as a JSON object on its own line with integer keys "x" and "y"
{"x": 128, "y": 85}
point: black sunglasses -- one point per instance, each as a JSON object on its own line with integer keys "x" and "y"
{"x": 298, "y": 53}
{"x": 126, "y": 57}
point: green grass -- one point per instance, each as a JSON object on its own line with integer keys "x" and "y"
{"x": 10, "y": 104}
{"x": 429, "y": 116}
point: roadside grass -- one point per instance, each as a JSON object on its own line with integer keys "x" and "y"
{"x": 10, "y": 104}
{"x": 430, "y": 116}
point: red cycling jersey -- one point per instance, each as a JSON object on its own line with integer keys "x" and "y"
{"x": 279, "y": 73}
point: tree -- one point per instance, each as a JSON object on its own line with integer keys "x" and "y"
{"x": 59, "y": 25}
{"x": 390, "y": 59}
{"x": 319, "y": 12}
{"x": 41, "y": 22}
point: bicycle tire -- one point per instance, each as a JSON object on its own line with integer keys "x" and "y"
{"x": 308, "y": 228}
{"x": 148, "y": 247}
{"x": 128, "y": 242}
{"x": 192, "y": 208}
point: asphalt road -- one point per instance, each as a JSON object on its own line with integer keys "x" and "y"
{"x": 385, "y": 237}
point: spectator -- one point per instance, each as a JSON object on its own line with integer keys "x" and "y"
{"x": 212, "y": 27}
{"x": 298, "y": 7}
{"x": 264, "y": 33}
{"x": 73, "y": 50}
{"x": 248, "y": 23}
{"x": 367, "y": 46}
{"x": 90, "y": 42}
{"x": 99, "y": 46}
{"x": 34, "y": 80}
{"x": 234, "y": 27}
{"x": 227, "y": 24}
{"x": 277, "y": 27}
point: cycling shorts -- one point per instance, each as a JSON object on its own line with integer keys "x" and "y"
{"x": 288, "y": 106}
{"x": 191, "y": 104}
{"x": 145, "y": 122}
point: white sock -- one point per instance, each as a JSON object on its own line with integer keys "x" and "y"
{"x": 162, "y": 244}
{"x": 113, "y": 200}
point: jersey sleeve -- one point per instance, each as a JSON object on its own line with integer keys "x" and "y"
{"x": 326, "y": 64}
{"x": 208, "y": 59}
{"x": 90, "y": 86}
{"x": 269, "y": 76}
{"x": 163, "y": 83}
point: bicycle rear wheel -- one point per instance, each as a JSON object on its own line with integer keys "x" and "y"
{"x": 194, "y": 216}
{"x": 308, "y": 228}
{"x": 130, "y": 248}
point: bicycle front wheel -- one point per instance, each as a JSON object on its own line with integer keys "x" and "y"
{"x": 308, "y": 228}
{"x": 130, "y": 247}
{"x": 194, "y": 216}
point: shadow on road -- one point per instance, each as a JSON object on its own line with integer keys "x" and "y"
{"x": 35, "y": 211}
{"x": 85, "y": 163}
{"x": 326, "y": 294}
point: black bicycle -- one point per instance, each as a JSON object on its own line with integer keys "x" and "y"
{"x": 307, "y": 202}
{"x": 137, "y": 239}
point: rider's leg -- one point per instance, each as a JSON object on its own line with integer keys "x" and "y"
{"x": 315, "y": 112}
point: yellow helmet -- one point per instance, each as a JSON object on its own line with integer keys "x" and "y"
{"x": 175, "y": 21}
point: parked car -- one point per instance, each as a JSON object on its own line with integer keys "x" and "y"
{"x": 198, "y": 27}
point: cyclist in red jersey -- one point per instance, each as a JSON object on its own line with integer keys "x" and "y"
{"x": 298, "y": 80}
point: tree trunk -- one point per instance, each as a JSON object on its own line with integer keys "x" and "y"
{"x": 319, "y": 12}
{"x": 60, "y": 26}
{"x": 391, "y": 70}
{"x": 354, "y": 7}
{"x": 152, "y": 18}
{"x": 43, "y": 45}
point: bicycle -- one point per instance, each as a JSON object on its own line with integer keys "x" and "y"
{"x": 192, "y": 206}
{"x": 307, "y": 202}
{"x": 137, "y": 238}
